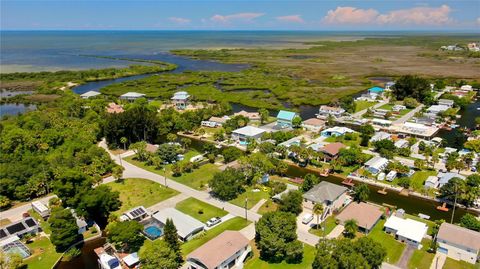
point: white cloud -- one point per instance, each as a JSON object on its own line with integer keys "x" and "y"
{"x": 291, "y": 19}
{"x": 236, "y": 17}
{"x": 478, "y": 20}
{"x": 412, "y": 16}
{"x": 179, "y": 20}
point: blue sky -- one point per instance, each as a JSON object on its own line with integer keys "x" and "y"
{"x": 241, "y": 15}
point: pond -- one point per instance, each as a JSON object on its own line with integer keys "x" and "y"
{"x": 15, "y": 109}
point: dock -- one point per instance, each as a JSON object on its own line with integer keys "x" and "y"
{"x": 382, "y": 191}
{"x": 348, "y": 182}
{"x": 404, "y": 192}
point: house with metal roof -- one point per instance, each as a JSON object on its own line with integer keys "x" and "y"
{"x": 227, "y": 250}
{"x": 332, "y": 196}
{"x": 285, "y": 118}
{"x": 326, "y": 111}
{"x": 376, "y": 164}
{"x": 376, "y": 90}
{"x": 406, "y": 230}
{"x": 89, "y": 94}
{"x": 242, "y": 135}
{"x": 132, "y": 96}
{"x": 458, "y": 243}
{"x": 186, "y": 225}
{"x": 180, "y": 99}
{"x": 444, "y": 178}
{"x": 336, "y": 131}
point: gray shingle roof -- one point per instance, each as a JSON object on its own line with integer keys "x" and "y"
{"x": 324, "y": 191}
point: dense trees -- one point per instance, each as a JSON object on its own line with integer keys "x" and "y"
{"x": 158, "y": 254}
{"x": 385, "y": 147}
{"x": 170, "y": 236}
{"x": 309, "y": 181}
{"x": 361, "y": 192}
{"x": 411, "y": 86}
{"x": 351, "y": 156}
{"x": 126, "y": 235}
{"x": 291, "y": 202}
{"x": 367, "y": 132}
{"x": 98, "y": 203}
{"x": 64, "y": 228}
{"x": 471, "y": 222}
{"x": 228, "y": 184}
{"x": 351, "y": 227}
{"x": 230, "y": 154}
{"x": 276, "y": 237}
{"x": 466, "y": 191}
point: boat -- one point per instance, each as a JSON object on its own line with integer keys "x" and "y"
{"x": 382, "y": 191}
{"x": 348, "y": 182}
{"x": 404, "y": 192}
{"x": 443, "y": 207}
{"x": 423, "y": 216}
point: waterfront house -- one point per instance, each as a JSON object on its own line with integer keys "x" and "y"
{"x": 376, "y": 164}
{"x": 376, "y": 90}
{"x": 227, "y": 250}
{"x": 20, "y": 228}
{"x": 446, "y": 102}
{"x": 431, "y": 182}
{"x": 331, "y": 151}
{"x": 332, "y": 196}
{"x": 242, "y": 135}
{"x": 186, "y": 226}
{"x": 214, "y": 122}
{"x": 249, "y": 115}
{"x": 380, "y": 136}
{"x": 285, "y": 119}
{"x": 458, "y": 243}
{"x": 313, "y": 124}
{"x": 106, "y": 258}
{"x": 366, "y": 215}
{"x": 180, "y": 100}
{"x": 406, "y": 230}
{"x": 41, "y": 209}
{"x": 444, "y": 178}
{"x": 336, "y": 131}
{"x": 132, "y": 96}
{"x": 435, "y": 109}
{"x": 401, "y": 143}
{"x": 326, "y": 111}
{"x": 89, "y": 94}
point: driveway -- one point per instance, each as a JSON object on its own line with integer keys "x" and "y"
{"x": 406, "y": 255}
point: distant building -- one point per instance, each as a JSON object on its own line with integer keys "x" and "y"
{"x": 376, "y": 165}
{"x": 446, "y": 102}
{"x": 285, "y": 118}
{"x": 331, "y": 151}
{"x": 331, "y": 196}
{"x": 458, "y": 243}
{"x": 406, "y": 230}
{"x": 431, "y": 182}
{"x": 180, "y": 100}
{"x": 249, "y": 115}
{"x": 242, "y": 135}
{"x": 444, "y": 178}
{"x": 336, "y": 131}
{"x": 466, "y": 88}
{"x": 326, "y": 111}
{"x": 313, "y": 124}
{"x": 114, "y": 108}
{"x": 227, "y": 250}
{"x": 366, "y": 215}
{"x": 89, "y": 94}
{"x": 132, "y": 96}
{"x": 186, "y": 226}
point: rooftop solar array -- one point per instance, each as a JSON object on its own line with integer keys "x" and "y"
{"x": 30, "y": 222}
{"x": 18, "y": 228}
{"x": 137, "y": 212}
{"x": 15, "y": 228}
{"x": 2, "y": 234}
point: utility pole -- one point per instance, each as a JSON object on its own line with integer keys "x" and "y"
{"x": 454, "y": 203}
{"x": 165, "y": 176}
{"x": 246, "y": 202}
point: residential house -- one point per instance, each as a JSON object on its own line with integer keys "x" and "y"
{"x": 41, "y": 209}
{"x": 12, "y": 244}
{"x": 132, "y": 96}
{"x": 89, "y": 94}
{"x": 114, "y": 108}
{"x": 381, "y": 122}
{"x": 427, "y": 119}
{"x": 406, "y": 230}
{"x": 313, "y": 124}
{"x": 376, "y": 90}
{"x": 331, "y": 196}
{"x": 186, "y": 226}
{"x": 326, "y": 111}
{"x": 466, "y": 88}
{"x": 107, "y": 258}
{"x": 458, "y": 243}
{"x": 435, "y": 109}
{"x": 19, "y": 228}
{"x": 131, "y": 260}
{"x": 331, "y": 151}
{"x": 444, "y": 178}
{"x": 446, "y": 102}
{"x": 380, "y": 113}
{"x": 431, "y": 182}
{"x": 180, "y": 100}
{"x": 81, "y": 223}
{"x": 380, "y": 136}
{"x": 401, "y": 143}
{"x": 376, "y": 165}
{"x": 473, "y": 47}
{"x": 227, "y": 250}
{"x": 366, "y": 215}
{"x": 214, "y": 122}
{"x": 137, "y": 214}
{"x": 249, "y": 115}
{"x": 285, "y": 119}
{"x": 398, "y": 108}
{"x": 336, "y": 131}
{"x": 242, "y": 135}
{"x": 389, "y": 85}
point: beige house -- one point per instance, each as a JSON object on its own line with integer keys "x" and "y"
{"x": 332, "y": 196}
{"x": 458, "y": 243}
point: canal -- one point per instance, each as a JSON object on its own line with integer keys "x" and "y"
{"x": 455, "y": 138}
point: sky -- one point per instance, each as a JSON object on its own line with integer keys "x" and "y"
{"x": 321, "y": 15}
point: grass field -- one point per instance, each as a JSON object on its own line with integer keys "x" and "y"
{"x": 418, "y": 179}
{"x": 44, "y": 254}
{"x": 361, "y": 105}
{"x": 256, "y": 263}
{"x": 421, "y": 259}
{"x": 234, "y": 224}
{"x": 453, "y": 264}
{"x": 137, "y": 191}
{"x": 268, "y": 206}
{"x": 394, "y": 247}
{"x": 253, "y": 198}
{"x": 329, "y": 225}
{"x": 199, "y": 210}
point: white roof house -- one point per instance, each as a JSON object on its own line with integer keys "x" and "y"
{"x": 381, "y": 122}
{"x": 131, "y": 259}
{"x": 132, "y": 95}
{"x": 402, "y": 143}
{"x": 431, "y": 182}
{"x": 41, "y": 209}
{"x": 380, "y": 136}
{"x": 376, "y": 164}
{"x": 336, "y": 131}
{"x": 186, "y": 226}
{"x": 180, "y": 96}
{"x": 247, "y": 132}
{"x": 466, "y": 88}
{"x": 435, "y": 109}
{"x": 406, "y": 229}
{"x": 89, "y": 94}
{"x": 446, "y": 102}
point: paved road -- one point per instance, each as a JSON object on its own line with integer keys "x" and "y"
{"x": 14, "y": 214}
{"x": 361, "y": 112}
{"x": 407, "y": 116}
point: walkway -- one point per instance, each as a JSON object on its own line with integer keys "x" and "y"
{"x": 336, "y": 232}
{"x": 406, "y": 255}
{"x": 438, "y": 261}
{"x": 256, "y": 207}
{"x": 170, "y": 202}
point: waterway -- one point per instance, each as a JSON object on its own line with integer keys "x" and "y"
{"x": 455, "y": 138}
{"x": 15, "y": 109}
{"x": 88, "y": 258}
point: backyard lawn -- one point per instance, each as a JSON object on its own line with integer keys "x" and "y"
{"x": 418, "y": 178}
{"x": 329, "y": 225}
{"x": 256, "y": 263}
{"x": 421, "y": 259}
{"x": 137, "y": 191}
{"x": 394, "y": 248}
{"x": 253, "y": 198}
{"x": 234, "y": 224}
{"x": 453, "y": 264}
{"x": 268, "y": 206}
{"x": 199, "y": 210}
{"x": 361, "y": 105}
{"x": 44, "y": 254}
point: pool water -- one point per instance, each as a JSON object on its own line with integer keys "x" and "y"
{"x": 153, "y": 232}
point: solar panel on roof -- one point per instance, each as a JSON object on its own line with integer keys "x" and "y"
{"x": 15, "y": 228}
{"x": 3, "y": 233}
{"x": 30, "y": 223}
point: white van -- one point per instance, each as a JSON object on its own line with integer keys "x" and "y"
{"x": 381, "y": 176}
{"x": 391, "y": 175}
{"x": 197, "y": 158}
{"x": 307, "y": 218}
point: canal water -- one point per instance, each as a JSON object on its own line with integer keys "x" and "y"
{"x": 455, "y": 137}
{"x": 87, "y": 259}
{"x": 15, "y": 109}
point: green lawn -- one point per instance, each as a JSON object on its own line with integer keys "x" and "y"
{"x": 418, "y": 179}
{"x": 253, "y": 198}
{"x": 394, "y": 248}
{"x": 43, "y": 223}
{"x": 268, "y": 206}
{"x": 234, "y": 224}
{"x": 199, "y": 210}
{"x": 329, "y": 225}
{"x": 256, "y": 263}
{"x": 137, "y": 191}
{"x": 361, "y": 105}
{"x": 453, "y": 264}
{"x": 91, "y": 232}
{"x": 421, "y": 259}
{"x": 43, "y": 256}
{"x": 197, "y": 179}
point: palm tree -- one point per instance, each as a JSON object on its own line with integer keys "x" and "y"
{"x": 124, "y": 140}
{"x": 318, "y": 211}
{"x": 350, "y": 228}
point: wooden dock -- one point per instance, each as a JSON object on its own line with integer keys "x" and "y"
{"x": 382, "y": 191}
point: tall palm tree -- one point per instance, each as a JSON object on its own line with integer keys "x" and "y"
{"x": 318, "y": 211}
{"x": 351, "y": 227}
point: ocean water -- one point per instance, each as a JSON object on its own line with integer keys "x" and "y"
{"x": 24, "y": 51}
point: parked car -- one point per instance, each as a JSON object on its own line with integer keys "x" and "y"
{"x": 307, "y": 218}
{"x": 213, "y": 221}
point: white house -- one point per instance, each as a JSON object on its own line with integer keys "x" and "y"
{"x": 186, "y": 226}
{"x": 435, "y": 109}
{"x": 466, "y": 88}
{"x": 431, "y": 182}
{"x": 41, "y": 209}
{"x": 444, "y": 178}
{"x": 180, "y": 99}
{"x": 458, "y": 243}
{"x": 397, "y": 108}
{"x": 389, "y": 85}
{"x": 446, "y": 102}
{"x": 376, "y": 164}
{"x": 89, "y": 94}
{"x": 336, "y": 131}
{"x": 313, "y": 124}
{"x": 326, "y": 111}
{"x": 381, "y": 122}
{"x": 227, "y": 250}
{"x": 131, "y": 96}
{"x": 242, "y": 135}
{"x": 406, "y": 230}
{"x": 401, "y": 143}
{"x": 380, "y": 136}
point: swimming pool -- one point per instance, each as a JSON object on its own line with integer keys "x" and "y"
{"x": 153, "y": 232}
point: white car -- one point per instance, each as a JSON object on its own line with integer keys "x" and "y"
{"x": 307, "y": 218}
{"x": 213, "y": 221}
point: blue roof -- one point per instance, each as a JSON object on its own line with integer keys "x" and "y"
{"x": 375, "y": 89}
{"x": 286, "y": 115}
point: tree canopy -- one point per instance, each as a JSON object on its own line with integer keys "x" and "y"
{"x": 64, "y": 228}
{"x": 228, "y": 184}
{"x": 158, "y": 254}
{"x": 411, "y": 86}
{"x": 291, "y": 202}
{"x": 125, "y": 235}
